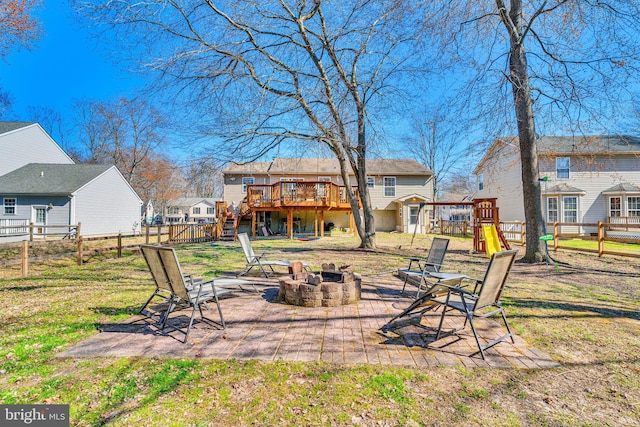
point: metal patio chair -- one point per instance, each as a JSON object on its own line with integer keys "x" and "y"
{"x": 484, "y": 301}
{"x": 177, "y": 289}
{"x": 420, "y": 268}
{"x": 260, "y": 261}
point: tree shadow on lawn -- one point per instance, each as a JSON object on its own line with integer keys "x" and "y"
{"x": 568, "y": 307}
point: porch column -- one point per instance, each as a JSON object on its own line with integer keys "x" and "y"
{"x": 321, "y": 223}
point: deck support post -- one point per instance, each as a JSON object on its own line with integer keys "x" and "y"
{"x": 290, "y": 223}
{"x": 321, "y": 223}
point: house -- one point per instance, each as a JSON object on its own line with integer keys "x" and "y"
{"x": 455, "y": 207}
{"x": 584, "y": 180}
{"x": 97, "y": 196}
{"x": 305, "y": 192}
{"x": 25, "y": 142}
{"x": 191, "y": 209}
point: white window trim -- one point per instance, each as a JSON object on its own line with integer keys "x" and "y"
{"x": 14, "y": 206}
{"x": 371, "y": 182}
{"x": 565, "y": 210}
{"x": 34, "y": 218}
{"x": 245, "y": 181}
{"x": 385, "y": 186}
{"x": 620, "y": 209}
{"x": 568, "y": 168}
{"x": 557, "y": 209}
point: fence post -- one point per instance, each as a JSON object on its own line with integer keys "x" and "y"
{"x": 159, "y": 234}
{"x": 600, "y": 238}
{"x": 78, "y": 230}
{"x": 31, "y": 232}
{"x": 119, "y": 245}
{"x": 523, "y": 231}
{"x": 25, "y": 258}
{"x": 146, "y": 234}
{"x": 556, "y": 229}
{"x": 79, "y": 250}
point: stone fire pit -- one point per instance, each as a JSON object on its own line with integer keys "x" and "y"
{"x": 329, "y": 288}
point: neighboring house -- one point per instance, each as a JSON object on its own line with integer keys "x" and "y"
{"x": 450, "y": 210}
{"x": 308, "y": 187}
{"x": 22, "y": 143}
{"x": 45, "y": 194}
{"x": 583, "y": 180}
{"x": 191, "y": 209}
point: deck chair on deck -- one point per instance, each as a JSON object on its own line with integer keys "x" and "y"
{"x": 484, "y": 301}
{"x": 260, "y": 261}
{"x": 178, "y": 289}
{"x": 420, "y": 268}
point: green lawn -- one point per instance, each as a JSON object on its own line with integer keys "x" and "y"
{"x": 587, "y": 320}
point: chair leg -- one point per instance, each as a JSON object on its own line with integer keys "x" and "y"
{"x": 507, "y": 325}
{"x": 475, "y": 335}
{"x": 444, "y": 311}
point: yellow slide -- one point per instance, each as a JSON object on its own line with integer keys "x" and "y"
{"x": 491, "y": 240}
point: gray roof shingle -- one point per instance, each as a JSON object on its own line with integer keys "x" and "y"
{"x": 9, "y": 126}
{"x": 318, "y": 166}
{"x": 46, "y": 178}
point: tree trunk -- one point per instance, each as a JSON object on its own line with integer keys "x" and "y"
{"x": 519, "y": 77}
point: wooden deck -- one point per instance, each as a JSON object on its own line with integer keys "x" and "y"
{"x": 299, "y": 195}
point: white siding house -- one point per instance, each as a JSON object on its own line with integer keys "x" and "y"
{"x": 97, "y": 196}
{"x": 22, "y": 143}
{"x": 583, "y": 180}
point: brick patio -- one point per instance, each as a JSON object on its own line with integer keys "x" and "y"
{"x": 260, "y": 328}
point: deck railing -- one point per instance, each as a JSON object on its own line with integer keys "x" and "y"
{"x": 298, "y": 194}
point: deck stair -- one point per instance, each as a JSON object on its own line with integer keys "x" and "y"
{"x": 228, "y": 229}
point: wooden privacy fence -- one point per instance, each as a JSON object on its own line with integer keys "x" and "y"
{"x": 516, "y": 231}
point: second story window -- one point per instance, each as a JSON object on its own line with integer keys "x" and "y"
{"x": 563, "y": 164}
{"x": 210, "y": 211}
{"x": 389, "y": 186}
{"x": 196, "y": 211}
{"x": 480, "y": 182}
{"x": 10, "y": 206}
{"x": 371, "y": 182}
{"x": 246, "y": 180}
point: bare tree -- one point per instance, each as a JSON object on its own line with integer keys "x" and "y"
{"x": 568, "y": 64}
{"x": 50, "y": 120}
{"x": 124, "y": 133}
{"x": 18, "y": 23}
{"x": 204, "y": 177}
{"x": 272, "y": 71}
{"x": 438, "y": 142}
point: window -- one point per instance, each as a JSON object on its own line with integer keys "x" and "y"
{"x": 196, "y": 211}
{"x": 10, "y": 206}
{"x": 413, "y": 215}
{"x": 615, "y": 206}
{"x": 210, "y": 211}
{"x": 174, "y": 210}
{"x": 40, "y": 215}
{"x": 633, "y": 204}
{"x": 552, "y": 209}
{"x": 563, "y": 165}
{"x": 371, "y": 182}
{"x": 324, "y": 178}
{"x": 389, "y": 186}
{"x": 246, "y": 180}
{"x": 570, "y": 208}
{"x": 480, "y": 182}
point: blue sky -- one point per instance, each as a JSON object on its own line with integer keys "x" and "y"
{"x": 65, "y": 64}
